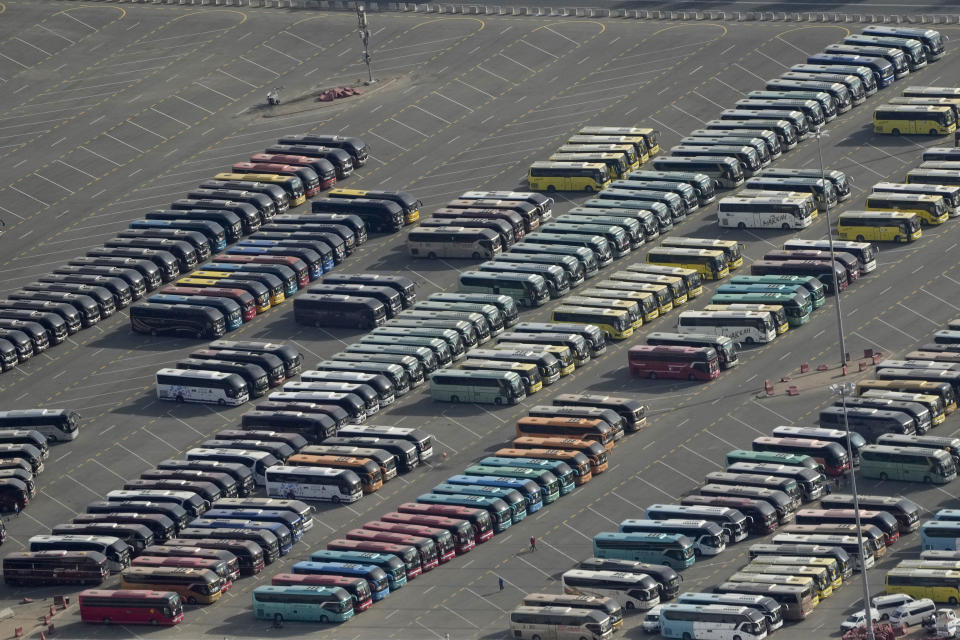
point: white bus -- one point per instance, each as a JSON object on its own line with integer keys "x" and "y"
{"x": 454, "y": 242}
{"x": 57, "y": 425}
{"x": 256, "y": 461}
{"x": 559, "y": 623}
{"x": 633, "y": 590}
{"x": 716, "y": 622}
{"x": 784, "y": 212}
{"x": 748, "y": 327}
{"x": 458, "y": 385}
{"x": 313, "y": 483}
{"x": 211, "y": 387}
{"x": 527, "y": 289}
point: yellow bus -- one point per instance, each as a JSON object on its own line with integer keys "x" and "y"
{"x": 941, "y": 390}
{"x": 195, "y": 586}
{"x": 568, "y": 176}
{"x": 661, "y": 292}
{"x": 409, "y": 204}
{"x": 615, "y": 323}
{"x": 710, "y": 264}
{"x": 637, "y": 142}
{"x": 931, "y": 209}
{"x": 645, "y": 302}
{"x": 909, "y": 118}
{"x": 730, "y": 248}
{"x": 819, "y": 575}
{"x": 676, "y": 284}
{"x": 628, "y": 151}
{"x": 878, "y": 226}
{"x": 634, "y": 313}
{"x": 690, "y": 276}
{"x": 291, "y": 185}
{"x": 940, "y": 585}
{"x": 616, "y": 163}
{"x": 650, "y": 136}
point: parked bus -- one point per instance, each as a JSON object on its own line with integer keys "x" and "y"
{"x": 679, "y": 362}
{"x": 527, "y": 289}
{"x": 378, "y": 584}
{"x": 711, "y": 264}
{"x": 57, "y": 425}
{"x": 195, "y": 586}
{"x": 905, "y": 511}
{"x": 675, "y": 550}
{"x": 831, "y": 455}
{"x": 914, "y": 119}
{"x": 939, "y": 585}
{"x": 130, "y": 606}
{"x": 371, "y": 478}
{"x": 907, "y": 463}
{"x": 184, "y": 385}
{"x": 559, "y": 622}
{"x": 633, "y": 590}
{"x": 357, "y": 588}
{"x": 568, "y": 176}
{"x": 930, "y": 209}
{"x": 496, "y": 387}
{"x": 306, "y": 603}
{"x": 707, "y": 536}
{"x": 726, "y": 171}
{"x": 54, "y": 567}
{"x": 177, "y": 320}
{"x": 498, "y": 510}
{"x": 561, "y": 428}
{"x": 740, "y": 326}
{"x": 711, "y": 621}
{"x": 787, "y": 212}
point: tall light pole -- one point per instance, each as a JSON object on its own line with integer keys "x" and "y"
{"x": 843, "y": 389}
{"x": 365, "y": 37}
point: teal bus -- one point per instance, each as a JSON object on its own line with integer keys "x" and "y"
{"x": 498, "y": 509}
{"x": 548, "y": 482}
{"x": 477, "y": 385}
{"x": 392, "y": 565}
{"x": 672, "y": 549}
{"x": 305, "y": 603}
{"x": 518, "y": 504}
{"x": 375, "y": 577}
{"x": 528, "y": 488}
{"x": 797, "y": 306}
{"x": 907, "y": 464}
{"x": 560, "y": 469}
{"x": 818, "y": 293}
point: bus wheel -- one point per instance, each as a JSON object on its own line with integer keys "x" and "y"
{"x": 653, "y": 375}
{"x": 686, "y": 636}
{"x": 498, "y": 401}
{"x": 748, "y": 339}
{"x": 153, "y": 621}
{"x": 895, "y": 132}
{"x": 933, "y": 132}
{"x": 927, "y": 480}
{"x": 324, "y": 620}
{"x": 551, "y": 188}
{"x": 476, "y": 255}
{"x": 588, "y": 189}
{"x": 180, "y": 398}
{"x": 221, "y": 402}
{"x": 785, "y": 226}
{"x": 952, "y": 602}
{"x": 629, "y": 605}
{"x": 691, "y": 377}
{"x": 191, "y": 600}
{"x": 335, "y": 499}
{"x": 454, "y": 398}
{"x": 153, "y": 332}
{"x": 432, "y": 256}
{"x": 884, "y": 477}
{"x": 534, "y": 637}
{"x": 896, "y": 239}
{"x": 741, "y": 225}
{"x": 860, "y": 238}
{"x": 277, "y": 620}
{"x": 107, "y": 621}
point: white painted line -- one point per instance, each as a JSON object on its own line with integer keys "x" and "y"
{"x": 503, "y": 55}
{"x": 687, "y": 113}
{"x": 793, "y": 45}
{"x": 46, "y": 53}
{"x": 674, "y": 469}
{"x": 630, "y": 502}
{"x": 695, "y": 70}
{"x": 863, "y": 166}
{"x": 133, "y": 453}
{"x": 713, "y": 462}
{"x": 493, "y": 415}
{"x": 727, "y": 50}
{"x": 934, "y": 323}
{"x": 749, "y": 426}
{"x": 713, "y": 102}
{"x": 29, "y": 196}
{"x": 668, "y": 128}
{"x": 650, "y": 484}
{"x": 65, "y": 506}
{"x": 125, "y": 143}
{"x": 97, "y": 462}
{"x": 193, "y": 104}
{"x": 293, "y": 35}
{"x": 771, "y": 59}
{"x": 230, "y": 75}
{"x": 166, "y": 115}
{"x": 568, "y": 557}
{"x": 601, "y": 515}
{"x": 259, "y": 65}
{"x": 409, "y": 127}
{"x": 459, "y": 104}
{"x": 779, "y": 415}
{"x": 897, "y": 329}
{"x": 185, "y": 424}
{"x": 940, "y": 299}
{"x": 51, "y": 31}
{"x": 431, "y": 114}
{"x": 539, "y": 49}
{"x": 56, "y": 184}
{"x": 69, "y": 15}
{"x": 533, "y": 566}
{"x": 286, "y": 55}
{"x": 389, "y": 141}
{"x": 459, "y": 616}
{"x": 11, "y": 213}
{"x": 139, "y": 126}
{"x": 493, "y": 74}
{"x": 485, "y": 599}
{"x": 461, "y": 425}
{"x": 14, "y": 61}
{"x": 429, "y": 629}
{"x": 219, "y": 93}
{"x": 557, "y": 33}
{"x": 742, "y": 68}
{"x": 474, "y": 88}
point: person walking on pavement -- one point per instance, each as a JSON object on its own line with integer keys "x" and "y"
{"x": 16, "y": 509}
{"x": 500, "y": 581}
{"x": 533, "y": 543}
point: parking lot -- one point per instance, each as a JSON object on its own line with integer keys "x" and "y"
{"x": 110, "y": 111}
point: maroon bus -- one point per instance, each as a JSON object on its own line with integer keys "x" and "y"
{"x": 130, "y": 606}
{"x": 460, "y": 528}
{"x": 441, "y": 537}
{"x": 673, "y": 361}
{"x": 407, "y": 553}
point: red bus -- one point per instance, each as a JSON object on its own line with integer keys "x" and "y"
{"x": 326, "y": 172}
{"x": 356, "y": 587}
{"x": 54, "y": 567}
{"x": 459, "y": 528}
{"x": 407, "y": 553}
{"x": 479, "y": 519}
{"x": 674, "y": 361}
{"x": 219, "y": 567}
{"x": 425, "y": 546}
{"x": 831, "y": 455}
{"x": 441, "y": 537}
{"x": 311, "y": 183}
{"x": 180, "y": 551}
{"x": 248, "y": 307}
{"x": 299, "y": 267}
{"x": 130, "y": 606}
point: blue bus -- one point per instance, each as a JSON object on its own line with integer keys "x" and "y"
{"x": 498, "y": 509}
{"x": 518, "y": 505}
{"x": 528, "y": 488}
{"x": 882, "y": 70}
{"x": 216, "y": 236}
{"x": 940, "y": 535}
{"x": 672, "y": 549}
{"x": 560, "y": 469}
{"x": 230, "y": 309}
{"x": 392, "y": 565}
{"x": 306, "y": 603}
{"x": 284, "y": 538}
{"x": 375, "y": 576}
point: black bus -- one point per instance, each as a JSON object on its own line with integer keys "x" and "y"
{"x": 335, "y": 413}
{"x": 315, "y": 232}
{"x": 230, "y": 222}
{"x": 338, "y": 310}
{"x": 411, "y": 365}
{"x": 252, "y": 374}
{"x": 353, "y": 404}
{"x": 380, "y": 216}
{"x": 85, "y": 306}
{"x": 106, "y": 304}
{"x": 276, "y": 193}
{"x": 182, "y": 250}
{"x": 350, "y": 227}
{"x": 314, "y": 427}
{"x": 39, "y": 338}
{"x": 177, "y": 514}
{"x": 356, "y": 147}
{"x": 177, "y": 320}
{"x": 248, "y": 214}
{"x": 276, "y": 373}
{"x": 291, "y": 358}
{"x": 633, "y": 412}
{"x": 406, "y": 452}
{"x": 147, "y": 268}
{"x": 265, "y": 205}
{"x": 386, "y": 295}
{"x": 403, "y": 285}
{"x": 239, "y": 472}
{"x": 166, "y": 261}
{"x": 119, "y": 289}
{"x": 200, "y": 243}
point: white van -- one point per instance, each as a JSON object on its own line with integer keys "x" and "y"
{"x": 886, "y": 605}
{"x": 913, "y": 612}
{"x": 651, "y": 620}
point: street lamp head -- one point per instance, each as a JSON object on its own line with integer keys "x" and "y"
{"x": 843, "y": 388}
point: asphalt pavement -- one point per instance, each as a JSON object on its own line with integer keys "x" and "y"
{"x": 111, "y": 110}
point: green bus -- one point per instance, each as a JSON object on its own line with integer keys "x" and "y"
{"x": 817, "y": 291}
{"x": 560, "y": 469}
{"x": 907, "y": 464}
{"x": 306, "y": 603}
{"x": 773, "y": 457}
{"x": 672, "y": 549}
{"x": 483, "y": 386}
{"x": 797, "y": 308}
{"x": 548, "y": 482}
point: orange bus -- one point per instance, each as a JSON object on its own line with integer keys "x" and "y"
{"x": 594, "y": 451}
{"x": 580, "y": 428}
{"x": 577, "y": 461}
{"x": 371, "y": 478}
